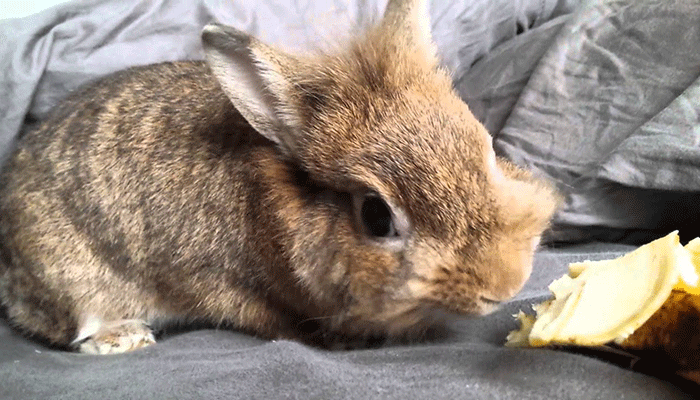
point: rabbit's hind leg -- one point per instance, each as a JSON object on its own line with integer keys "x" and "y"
{"x": 33, "y": 309}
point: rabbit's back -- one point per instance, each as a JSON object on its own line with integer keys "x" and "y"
{"x": 133, "y": 185}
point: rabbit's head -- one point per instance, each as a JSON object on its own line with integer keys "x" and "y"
{"x": 421, "y": 213}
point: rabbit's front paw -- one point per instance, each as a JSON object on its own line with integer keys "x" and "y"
{"x": 118, "y": 337}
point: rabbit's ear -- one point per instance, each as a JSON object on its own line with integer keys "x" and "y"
{"x": 255, "y": 77}
{"x": 408, "y": 23}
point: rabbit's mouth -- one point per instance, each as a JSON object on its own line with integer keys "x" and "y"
{"x": 488, "y": 302}
{"x": 487, "y": 305}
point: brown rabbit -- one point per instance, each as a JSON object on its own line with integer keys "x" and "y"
{"x": 328, "y": 199}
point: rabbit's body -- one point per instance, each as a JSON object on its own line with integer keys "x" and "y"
{"x": 124, "y": 213}
{"x": 323, "y": 199}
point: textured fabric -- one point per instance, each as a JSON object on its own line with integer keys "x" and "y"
{"x": 469, "y": 363}
{"x": 606, "y": 103}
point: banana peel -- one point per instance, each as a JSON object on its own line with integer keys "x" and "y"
{"x": 648, "y": 299}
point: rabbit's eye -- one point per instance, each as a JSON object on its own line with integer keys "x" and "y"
{"x": 376, "y": 217}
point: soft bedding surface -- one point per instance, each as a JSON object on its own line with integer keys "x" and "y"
{"x": 605, "y": 101}
{"x": 599, "y": 96}
{"x": 471, "y": 363}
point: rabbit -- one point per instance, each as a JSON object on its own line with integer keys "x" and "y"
{"x": 332, "y": 198}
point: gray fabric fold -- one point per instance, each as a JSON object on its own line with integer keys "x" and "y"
{"x": 469, "y": 363}
{"x": 611, "y": 114}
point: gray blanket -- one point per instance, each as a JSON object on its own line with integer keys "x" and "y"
{"x": 471, "y": 363}
{"x": 605, "y": 101}
{"x": 599, "y": 96}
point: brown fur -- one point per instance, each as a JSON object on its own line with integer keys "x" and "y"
{"x": 150, "y": 196}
